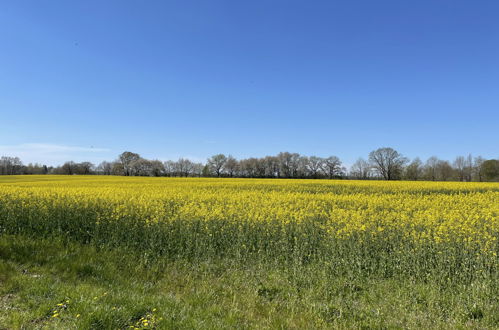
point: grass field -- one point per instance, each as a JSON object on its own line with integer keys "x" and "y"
{"x": 119, "y": 252}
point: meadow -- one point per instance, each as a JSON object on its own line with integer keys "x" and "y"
{"x": 116, "y": 252}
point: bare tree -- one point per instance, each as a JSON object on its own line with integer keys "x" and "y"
{"x": 271, "y": 167}
{"x": 285, "y": 159}
{"x": 169, "y": 167}
{"x": 289, "y": 164}
{"x": 253, "y": 167}
{"x": 35, "y": 169}
{"x": 85, "y": 168}
{"x": 157, "y": 168}
{"x": 260, "y": 167}
{"x": 388, "y": 162}
{"x": 184, "y": 167}
{"x": 297, "y": 165}
{"x": 313, "y": 165}
{"x": 444, "y": 170}
{"x": 468, "y": 168}
{"x": 105, "y": 168}
{"x": 248, "y": 167}
{"x": 332, "y": 167}
{"x": 118, "y": 169}
{"x": 361, "y": 169}
{"x": 126, "y": 159}
{"x": 460, "y": 167}
{"x": 430, "y": 168}
{"x": 72, "y": 168}
{"x": 231, "y": 166}
{"x": 216, "y": 164}
{"x": 197, "y": 169}
{"x": 10, "y": 165}
{"x": 414, "y": 171}
{"x": 478, "y": 168}
{"x": 68, "y": 168}
{"x": 140, "y": 167}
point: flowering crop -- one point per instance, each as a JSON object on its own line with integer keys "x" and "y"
{"x": 278, "y": 219}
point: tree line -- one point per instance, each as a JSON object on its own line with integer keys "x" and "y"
{"x": 383, "y": 163}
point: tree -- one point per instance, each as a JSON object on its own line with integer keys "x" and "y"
{"x": 231, "y": 166}
{"x": 183, "y": 167}
{"x": 10, "y": 165}
{"x": 84, "y": 168}
{"x": 444, "y": 170}
{"x": 490, "y": 170}
{"x": 430, "y": 168}
{"x": 289, "y": 164}
{"x": 157, "y": 168}
{"x": 388, "y": 162}
{"x": 271, "y": 167}
{"x": 216, "y": 164}
{"x": 361, "y": 169}
{"x": 414, "y": 170}
{"x": 197, "y": 169}
{"x": 35, "y": 169}
{"x": 105, "y": 168}
{"x": 170, "y": 167}
{"x": 248, "y": 167}
{"x": 478, "y": 168}
{"x": 313, "y": 165}
{"x": 468, "y": 168}
{"x": 332, "y": 167}
{"x": 260, "y": 167}
{"x": 68, "y": 168}
{"x": 118, "y": 169}
{"x": 140, "y": 167}
{"x": 285, "y": 160}
{"x": 460, "y": 166}
{"x": 297, "y": 165}
{"x": 206, "y": 171}
{"x": 126, "y": 159}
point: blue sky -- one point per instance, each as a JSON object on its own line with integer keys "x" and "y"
{"x": 86, "y": 80}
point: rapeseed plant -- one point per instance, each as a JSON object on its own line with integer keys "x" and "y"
{"x": 282, "y": 220}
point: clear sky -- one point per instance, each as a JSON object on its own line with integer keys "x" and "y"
{"x": 86, "y": 80}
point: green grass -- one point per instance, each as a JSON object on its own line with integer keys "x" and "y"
{"x": 114, "y": 288}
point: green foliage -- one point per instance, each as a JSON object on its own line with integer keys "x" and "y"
{"x": 490, "y": 170}
{"x": 88, "y": 288}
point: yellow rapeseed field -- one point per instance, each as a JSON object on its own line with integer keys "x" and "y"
{"x": 240, "y": 212}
